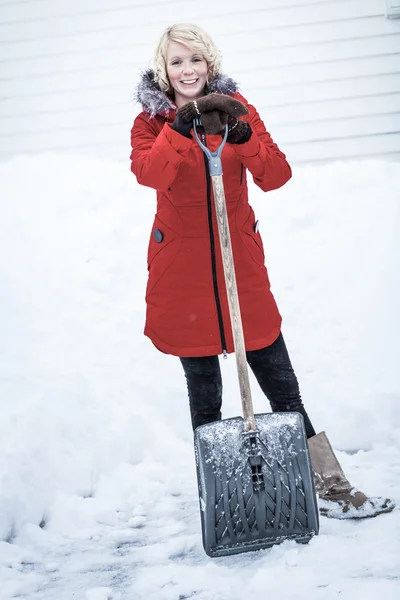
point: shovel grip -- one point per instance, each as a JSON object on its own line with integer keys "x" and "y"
{"x": 214, "y": 158}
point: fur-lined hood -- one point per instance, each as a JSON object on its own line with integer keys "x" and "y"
{"x": 156, "y": 102}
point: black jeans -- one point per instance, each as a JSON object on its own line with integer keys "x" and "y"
{"x": 272, "y": 369}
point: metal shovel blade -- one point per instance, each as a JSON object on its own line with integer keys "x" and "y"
{"x": 256, "y": 488}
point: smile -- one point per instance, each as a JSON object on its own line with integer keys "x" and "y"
{"x": 189, "y": 81}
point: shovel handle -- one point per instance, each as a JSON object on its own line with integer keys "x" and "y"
{"x": 214, "y": 159}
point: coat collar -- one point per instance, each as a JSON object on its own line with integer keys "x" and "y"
{"x": 156, "y": 102}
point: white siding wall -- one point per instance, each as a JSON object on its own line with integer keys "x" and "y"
{"x": 324, "y": 74}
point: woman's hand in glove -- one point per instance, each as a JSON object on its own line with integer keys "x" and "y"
{"x": 214, "y": 111}
{"x": 182, "y": 127}
{"x": 239, "y": 132}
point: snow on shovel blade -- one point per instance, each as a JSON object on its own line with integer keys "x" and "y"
{"x": 256, "y": 488}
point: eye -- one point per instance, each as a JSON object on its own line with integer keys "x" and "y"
{"x": 197, "y": 59}
{"x": 175, "y": 62}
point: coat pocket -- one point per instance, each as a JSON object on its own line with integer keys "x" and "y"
{"x": 163, "y": 247}
{"x": 252, "y": 239}
{"x": 241, "y": 173}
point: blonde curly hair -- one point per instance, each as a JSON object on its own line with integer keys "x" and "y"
{"x": 194, "y": 38}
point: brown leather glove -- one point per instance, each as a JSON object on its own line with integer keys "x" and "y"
{"x": 214, "y": 110}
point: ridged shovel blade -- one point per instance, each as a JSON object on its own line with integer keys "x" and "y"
{"x": 256, "y": 489}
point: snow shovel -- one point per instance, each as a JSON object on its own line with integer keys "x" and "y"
{"x": 254, "y": 473}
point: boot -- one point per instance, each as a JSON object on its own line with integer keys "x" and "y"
{"x": 338, "y": 499}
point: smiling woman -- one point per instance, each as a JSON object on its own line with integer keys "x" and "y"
{"x": 187, "y": 73}
{"x": 182, "y": 48}
{"x": 187, "y": 307}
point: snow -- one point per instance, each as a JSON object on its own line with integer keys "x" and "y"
{"x": 220, "y": 444}
{"x": 98, "y": 493}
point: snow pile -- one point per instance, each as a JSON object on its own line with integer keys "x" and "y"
{"x": 96, "y": 451}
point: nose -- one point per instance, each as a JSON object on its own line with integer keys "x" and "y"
{"x": 188, "y": 69}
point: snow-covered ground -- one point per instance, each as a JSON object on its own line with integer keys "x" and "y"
{"x": 98, "y": 496}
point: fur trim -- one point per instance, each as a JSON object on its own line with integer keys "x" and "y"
{"x": 222, "y": 84}
{"x": 156, "y": 102}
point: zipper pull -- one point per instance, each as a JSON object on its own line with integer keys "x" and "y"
{"x": 224, "y": 352}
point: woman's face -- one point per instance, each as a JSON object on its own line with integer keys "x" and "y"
{"x": 187, "y": 73}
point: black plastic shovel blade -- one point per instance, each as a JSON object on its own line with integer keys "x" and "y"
{"x": 256, "y": 488}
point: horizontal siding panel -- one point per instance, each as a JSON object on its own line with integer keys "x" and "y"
{"x": 41, "y": 53}
{"x": 80, "y": 121}
{"x": 112, "y": 149}
{"x": 365, "y": 126}
{"x": 332, "y": 111}
{"x": 298, "y": 16}
{"x": 316, "y": 33}
{"x": 68, "y": 100}
{"x": 83, "y": 110}
{"x": 31, "y": 63}
{"x": 328, "y": 52}
{"x": 81, "y": 23}
{"x": 69, "y": 139}
{"x": 379, "y": 146}
{"x": 326, "y": 91}
{"x": 386, "y": 156}
{"x": 14, "y": 10}
{"x": 254, "y": 15}
{"x": 268, "y": 79}
{"x": 35, "y": 11}
{"x": 38, "y": 47}
{"x": 68, "y": 82}
{"x": 25, "y": 113}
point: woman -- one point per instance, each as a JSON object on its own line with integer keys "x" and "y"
{"x": 187, "y": 309}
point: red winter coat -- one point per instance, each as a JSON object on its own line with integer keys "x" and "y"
{"x": 187, "y": 308}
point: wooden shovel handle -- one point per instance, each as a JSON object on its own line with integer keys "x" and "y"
{"x": 233, "y": 301}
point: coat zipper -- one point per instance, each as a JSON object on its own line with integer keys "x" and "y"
{"x": 213, "y": 258}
